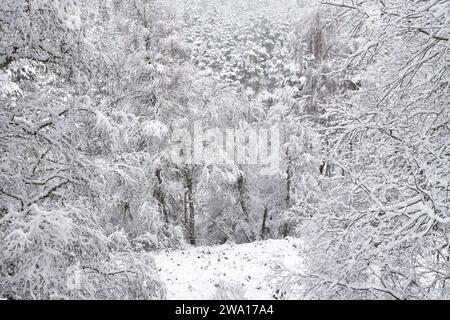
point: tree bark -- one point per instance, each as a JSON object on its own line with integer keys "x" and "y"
{"x": 244, "y": 206}
{"x": 289, "y": 174}
{"x": 159, "y": 195}
{"x": 265, "y": 230}
{"x": 189, "y": 207}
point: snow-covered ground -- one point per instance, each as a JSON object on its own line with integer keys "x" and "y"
{"x": 248, "y": 271}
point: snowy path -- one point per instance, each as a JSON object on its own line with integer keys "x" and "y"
{"x": 245, "y": 271}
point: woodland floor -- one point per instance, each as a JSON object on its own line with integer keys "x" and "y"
{"x": 249, "y": 271}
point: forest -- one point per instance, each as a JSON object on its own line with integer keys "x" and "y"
{"x": 136, "y": 130}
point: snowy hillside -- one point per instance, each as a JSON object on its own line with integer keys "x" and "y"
{"x": 248, "y": 271}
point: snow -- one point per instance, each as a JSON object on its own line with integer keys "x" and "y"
{"x": 248, "y": 271}
{"x": 8, "y": 87}
{"x": 155, "y": 128}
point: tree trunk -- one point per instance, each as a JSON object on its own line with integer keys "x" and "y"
{"x": 289, "y": 174}
{"x": 265, "y": 230}
{"x": 158, "y": 194}
{"x": 189, "y": 207}
{"x": 244, "y": 206}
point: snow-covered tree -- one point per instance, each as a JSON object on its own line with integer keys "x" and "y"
{"x": 386, "y": 234}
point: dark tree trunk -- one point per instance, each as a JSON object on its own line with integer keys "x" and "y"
{"x": 289, "y": 174}
{"x": 189, "y": 207}
{"x": 158, "y": 194}
{"x": 243, "y": 201}
{"x": 265, "y": 230}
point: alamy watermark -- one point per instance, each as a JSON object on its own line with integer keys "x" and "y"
{"x": 243, "y": 146}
